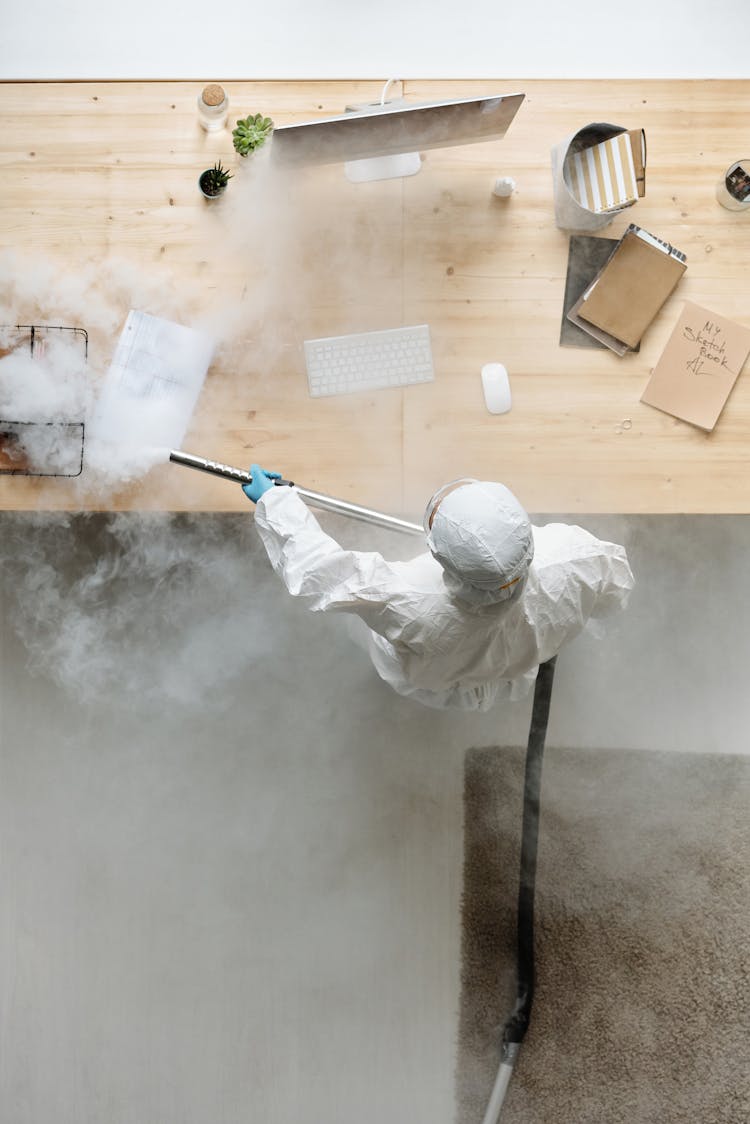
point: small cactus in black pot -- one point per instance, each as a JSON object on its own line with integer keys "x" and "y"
{"x": 214, "y": 180}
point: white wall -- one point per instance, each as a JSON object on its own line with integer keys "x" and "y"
{"x": 374, "y": 39}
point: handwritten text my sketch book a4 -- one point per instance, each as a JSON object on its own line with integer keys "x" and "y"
{"x": 698, "y": 367}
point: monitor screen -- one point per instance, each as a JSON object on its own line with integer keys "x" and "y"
{"x": 394, "y": 127}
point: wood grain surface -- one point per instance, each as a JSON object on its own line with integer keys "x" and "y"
{"x": 102, "y": 176}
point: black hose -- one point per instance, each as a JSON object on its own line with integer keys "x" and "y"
{"x": 518, "y": 1023}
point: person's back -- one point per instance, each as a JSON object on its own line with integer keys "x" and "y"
{"x": 454, "y": 653}
{"x": 470, "y": 621}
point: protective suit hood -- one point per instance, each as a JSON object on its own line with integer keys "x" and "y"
{"x": 482, "y": 537}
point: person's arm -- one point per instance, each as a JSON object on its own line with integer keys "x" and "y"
{"x": 615, "y": 579}
{"x": 314, "y": 567}
{"x": 574, "y": 566}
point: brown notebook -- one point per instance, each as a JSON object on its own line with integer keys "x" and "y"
{"x": 698, "y": 367}
{"x": 632, "y": 286}
{"x": 602, "y": 337}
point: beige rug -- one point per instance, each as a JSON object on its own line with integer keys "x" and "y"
{"x": 642, "y": 1006}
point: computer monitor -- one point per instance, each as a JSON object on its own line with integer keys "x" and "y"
{"x": 392, "y": 129}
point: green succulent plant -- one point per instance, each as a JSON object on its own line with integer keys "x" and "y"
{"x": 214, "y": 180}
{"x": 251, "y": 132}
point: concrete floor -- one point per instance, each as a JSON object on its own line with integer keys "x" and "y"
{"x": 230, "y": 858}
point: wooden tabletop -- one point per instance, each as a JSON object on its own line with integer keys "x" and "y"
{"x": 100, "y": 184}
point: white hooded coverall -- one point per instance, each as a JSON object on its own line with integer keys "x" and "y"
{"x": 425, "y": 639}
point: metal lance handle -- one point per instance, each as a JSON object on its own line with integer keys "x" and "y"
{"x": 315, "y": 499}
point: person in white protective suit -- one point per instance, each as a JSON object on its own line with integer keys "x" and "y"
{"x": 468, "y": 622}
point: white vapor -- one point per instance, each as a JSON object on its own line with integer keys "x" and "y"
{"x": 58, "y": 384}
{"x": 138, "y": 610}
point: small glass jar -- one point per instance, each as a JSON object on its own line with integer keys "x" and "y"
{"x": 213, "y": 108}
{"x": 733, "y": 189}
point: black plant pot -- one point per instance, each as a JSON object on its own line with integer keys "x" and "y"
{"x": 204, "y": 184}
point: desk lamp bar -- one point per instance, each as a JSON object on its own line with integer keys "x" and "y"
{"x": 315, "y": 499}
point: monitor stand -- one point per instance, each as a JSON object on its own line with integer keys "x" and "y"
{"x": 383, "y": 167}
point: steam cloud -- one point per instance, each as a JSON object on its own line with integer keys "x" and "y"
{"x": 141, "y": 610}
{"x": 57, "y": 384}
{"x": 103, "y": 605}
{"x": 283, "y": 256}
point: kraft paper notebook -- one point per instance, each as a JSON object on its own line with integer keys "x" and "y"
{"x": 698, "y": 367}
{"x": 603, "y": 338}
{"x": 630, "y": 289}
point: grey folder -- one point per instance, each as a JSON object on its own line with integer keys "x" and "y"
{"x": 586, "y": 256}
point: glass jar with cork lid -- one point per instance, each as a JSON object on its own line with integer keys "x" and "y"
{"x": 213, "y": 107}
{"x": 733, "y": 189}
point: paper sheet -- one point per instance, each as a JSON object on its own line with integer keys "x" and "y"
{"x": 153, "y": 383}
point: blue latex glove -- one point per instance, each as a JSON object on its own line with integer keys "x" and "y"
{"x": 262, "y": 481}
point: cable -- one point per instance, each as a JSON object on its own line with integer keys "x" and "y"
{"x": 518, "y": 1022}
{"x": 386, "y": 88}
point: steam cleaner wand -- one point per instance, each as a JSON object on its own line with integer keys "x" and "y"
{"x": 315, "y": 499}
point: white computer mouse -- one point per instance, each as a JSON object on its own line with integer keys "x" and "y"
{"x": 496, "y": 388}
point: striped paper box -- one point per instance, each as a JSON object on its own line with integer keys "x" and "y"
{"x": 602, "y": 178}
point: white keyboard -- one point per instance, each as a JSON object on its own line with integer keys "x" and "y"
{"x": 369, "y": 361}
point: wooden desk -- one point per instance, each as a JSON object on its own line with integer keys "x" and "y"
{"x": 96, "y": 174}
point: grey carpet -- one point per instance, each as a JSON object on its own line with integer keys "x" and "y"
{"x": 642, "y": 1007}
